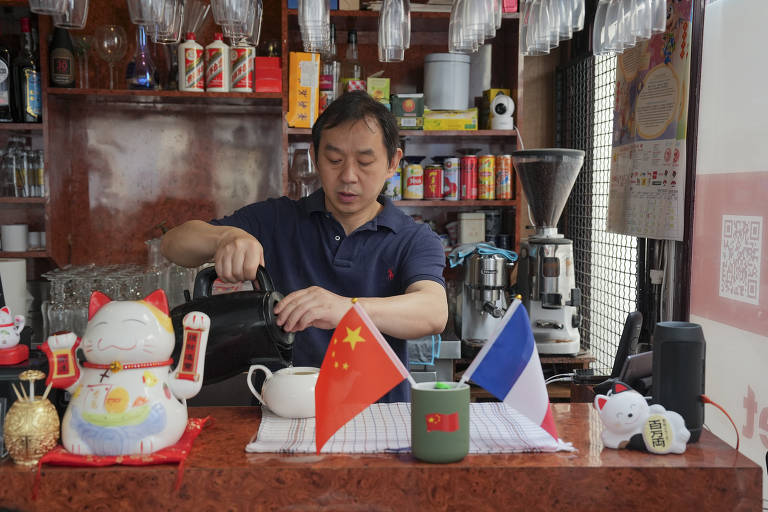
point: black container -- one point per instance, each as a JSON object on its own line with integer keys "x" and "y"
{"x": 679, "y": 352}
{"x": 243, "y": 329}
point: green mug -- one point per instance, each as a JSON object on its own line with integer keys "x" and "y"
{"x": 440, "y": 421}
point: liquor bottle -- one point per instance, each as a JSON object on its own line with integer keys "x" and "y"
{"x": 351, "y": 69}
{"x": 191, "y": 65}
{"x": 217, "y": 74}
{"x": 62, "y": 59}
{"x": 330, "y": 74}
{"x": 26, "y": 80}
{"x": 6, "y": 116}
{"x": 141, "y": 70}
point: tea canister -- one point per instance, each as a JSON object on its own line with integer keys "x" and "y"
{"x": 413, "y": 181}
{"x": 451, "y": 179}
{"x": 433, "y": 182}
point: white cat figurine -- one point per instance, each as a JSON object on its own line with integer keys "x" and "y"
{"x": 125, "y": 396}
{"x": 10, "y": 328}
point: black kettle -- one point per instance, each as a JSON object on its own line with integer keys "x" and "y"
{"x": 243, "y": 329}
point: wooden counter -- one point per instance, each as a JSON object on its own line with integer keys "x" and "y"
{"x": 219, "y": 475}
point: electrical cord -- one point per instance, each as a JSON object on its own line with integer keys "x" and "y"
{"x": 560, "y": 375}
{"x": 564, "y": 379}
{"x": 707, "y": 400}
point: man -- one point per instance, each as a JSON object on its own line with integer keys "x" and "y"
{"x": 342, "y": 241}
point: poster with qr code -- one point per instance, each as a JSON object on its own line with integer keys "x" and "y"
{"x": 740, "y": 258}
{"x": 650, "y": 115}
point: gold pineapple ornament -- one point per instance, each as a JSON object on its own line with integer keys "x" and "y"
{"x": 32, "y": 424}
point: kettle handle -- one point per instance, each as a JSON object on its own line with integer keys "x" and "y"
{"x": 205, "y": 278}
{"x": 266, "y": 378}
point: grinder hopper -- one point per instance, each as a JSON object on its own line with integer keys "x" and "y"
{"x": 547, "y": 176}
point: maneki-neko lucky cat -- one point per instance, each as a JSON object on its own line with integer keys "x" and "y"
{"x": 126, "y": 399}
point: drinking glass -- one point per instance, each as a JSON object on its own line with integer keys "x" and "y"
{"x": 168, "y": 30}
{"x": 82, "y": 44}
{"x": 659, "y": 15}
{"x": 391, "y": 31}
{"x": 598, "y": 30}
{"x": 74, "y": 16}
{"x": 146, "y": 12}
{"x": 254, "y": 23}
{"x": 195, "y": 12}
{"x": 49, "y": 7}
{"x": 111, "y": 47}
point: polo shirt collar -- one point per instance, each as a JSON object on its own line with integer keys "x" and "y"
{"x": 389, "y": 217}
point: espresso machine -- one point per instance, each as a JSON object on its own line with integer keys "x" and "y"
{"x": 484, "y": 297}
{"x": 545, "y": 270}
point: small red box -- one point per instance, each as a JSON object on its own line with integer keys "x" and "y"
{"x": 266, "y": 62}
{"x": 268, "y": 80}
{"x": 509, "y": 6}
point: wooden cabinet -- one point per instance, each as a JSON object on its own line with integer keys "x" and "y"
{"x": 121, "y": 163}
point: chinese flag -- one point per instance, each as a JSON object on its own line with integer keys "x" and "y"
{"x": 442, "y": 422}
{"x": 359, "y": 368}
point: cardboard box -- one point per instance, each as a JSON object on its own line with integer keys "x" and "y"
{"x": 303, "y": 89}
{"x": 408, "y": 105}
{"x": 450, "y": 119}
{"x": 378, "y": 88}
{"x": 471, "y": 227}
{"x": 349, "y": 5}
{"x": 410, "y": 123}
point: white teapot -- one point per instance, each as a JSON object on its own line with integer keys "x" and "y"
{"x": 288, "y": 392}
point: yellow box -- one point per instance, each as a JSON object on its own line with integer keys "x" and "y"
{"x": 450, "y": 119}
{"x": 378, "y": 88}
{"x": 303, "y": 89}
{"x": 489, "y": 94}
{"x": 410, "y": 123}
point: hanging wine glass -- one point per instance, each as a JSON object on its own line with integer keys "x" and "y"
{"x": 111, "y": 47}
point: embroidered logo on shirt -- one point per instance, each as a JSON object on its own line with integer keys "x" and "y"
{"x": 390, "y": 274}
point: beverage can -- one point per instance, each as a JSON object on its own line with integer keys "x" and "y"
{"x": 413, "y": 182}
{"x": 451, "y": 168}
{"x": 433, "y": 182}
{"x": 504, "y": 177}
{"x": 486, "y": 184}
{"x": 242, "y": 67}
{"x": 468, "y": 177}
{"x": 393, "y": 186}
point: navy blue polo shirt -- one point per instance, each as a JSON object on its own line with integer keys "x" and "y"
{"x": 305, "y": 246}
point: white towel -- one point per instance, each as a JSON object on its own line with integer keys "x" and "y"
{"x": 493, "y": 428}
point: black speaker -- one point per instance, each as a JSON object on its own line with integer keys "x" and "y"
{"x": 679, "y": 354}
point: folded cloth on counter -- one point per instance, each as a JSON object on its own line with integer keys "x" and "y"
{"x": 381, "y": 428}
{"x": 174, "y": 454}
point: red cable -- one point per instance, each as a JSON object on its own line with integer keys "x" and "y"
{"x": 707, "y": 400}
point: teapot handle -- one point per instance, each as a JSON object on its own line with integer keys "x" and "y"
{"x": 267, "y": 371}
{"x": 206, "y": 277}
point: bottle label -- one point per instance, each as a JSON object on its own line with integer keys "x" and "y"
{"x": 242, "y": 68}
{"x": 214, "y": 68}
{"x": 32, "y": 93}
{"x": 3, "y": 84}
{"x": 193, "y": 68}
{"x": 63, "y": 70}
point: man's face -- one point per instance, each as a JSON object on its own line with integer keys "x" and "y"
{"x": 352, "y": 164}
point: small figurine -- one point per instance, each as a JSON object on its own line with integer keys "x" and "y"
{"x": 10, "y": 328}
{"x": 625, "y": 414}
{"x": 125, "y": 397}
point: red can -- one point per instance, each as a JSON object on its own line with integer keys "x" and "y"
{"x": 469, "y": 177}
{"x": 504, "y": 177}
{"x": 486, "y": 184}
{"x": 433, "y": 182}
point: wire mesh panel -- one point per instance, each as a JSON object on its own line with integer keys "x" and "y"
{"x": 606, "y": 264}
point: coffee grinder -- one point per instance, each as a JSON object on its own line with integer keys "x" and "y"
{"x": 545, "y": 268}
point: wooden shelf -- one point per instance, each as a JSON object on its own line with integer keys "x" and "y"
{"x": 487, "y": 134}
{"x": 418, "y": 203}
{"x": 22, "y": 200}
{"x": 21, "y": 127}
{"x": 42, "y": 253}
{"x": 138, "y": 96}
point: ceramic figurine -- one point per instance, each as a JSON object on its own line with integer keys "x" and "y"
{"x": 625, "y": 414}
{"x": 125, "y": 396}
{"x": 10, "y": 328}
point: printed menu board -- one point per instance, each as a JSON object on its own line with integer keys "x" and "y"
{"x": 647, "y": 187}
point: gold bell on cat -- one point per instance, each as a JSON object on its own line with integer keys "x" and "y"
{"x": 32, "y": 424}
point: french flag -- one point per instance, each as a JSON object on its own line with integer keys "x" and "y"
{"x": 508, "y": 367}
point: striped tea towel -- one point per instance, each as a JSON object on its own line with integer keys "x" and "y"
{"x": 382, "y": 428}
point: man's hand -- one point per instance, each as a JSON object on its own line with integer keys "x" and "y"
{"x": 238, "y": 256}
{"x": 311, "y": 307}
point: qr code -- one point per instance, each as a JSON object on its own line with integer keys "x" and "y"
{"x": 740, "y": 258}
